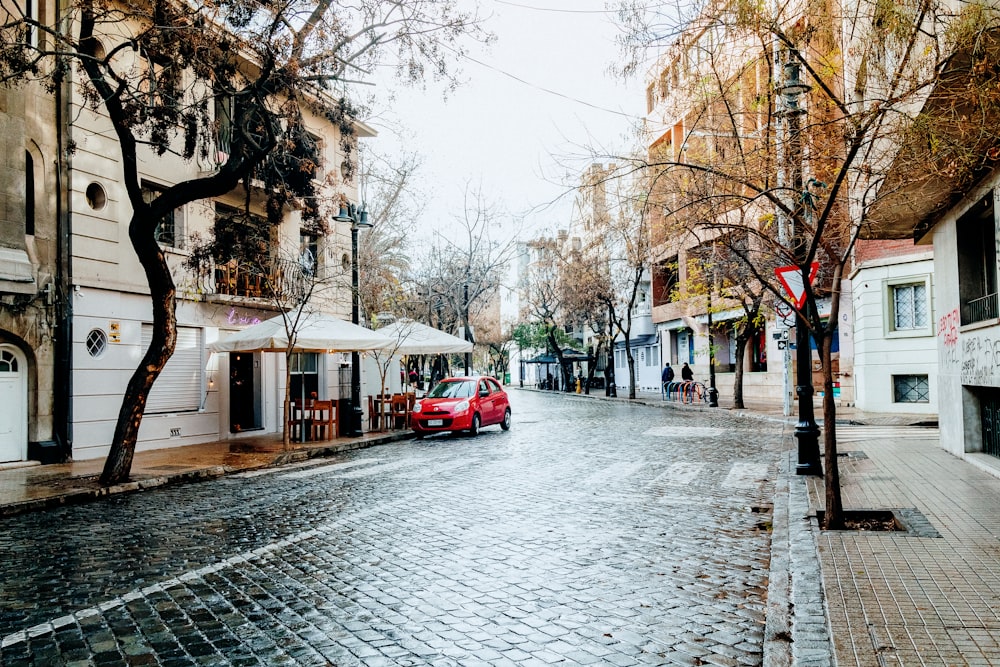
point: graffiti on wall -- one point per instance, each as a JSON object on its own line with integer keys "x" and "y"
{"x": 981, "y": 360}
{"x": 947, "y": 331}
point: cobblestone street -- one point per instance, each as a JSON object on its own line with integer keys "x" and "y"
{"x": 592, "y": 533}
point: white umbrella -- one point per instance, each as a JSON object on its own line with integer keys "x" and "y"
{"x": 410, "y": 337}
{"x": 315, "y": 332}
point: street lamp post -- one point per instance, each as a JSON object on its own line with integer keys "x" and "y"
{"x": 713, "y": 392}
{"x": 806, "y": 430}
{"x": 359, "y": 220}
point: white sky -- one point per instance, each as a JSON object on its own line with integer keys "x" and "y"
{"x": 523, "y": 146}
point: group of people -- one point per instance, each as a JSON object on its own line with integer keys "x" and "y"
{"x": 668, "y": 373}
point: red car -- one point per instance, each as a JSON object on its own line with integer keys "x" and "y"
{"x": 461, "y": 404}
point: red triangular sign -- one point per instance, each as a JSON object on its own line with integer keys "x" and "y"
{"x": 791, "y": 279}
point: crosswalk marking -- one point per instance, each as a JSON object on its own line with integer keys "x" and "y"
{"x": 683, "y": 432}
{"x": 679, "y": 474}
{"x": 614, "y": 472}
{"x": 327, "y": 469}
{"x": 745, "y": 475}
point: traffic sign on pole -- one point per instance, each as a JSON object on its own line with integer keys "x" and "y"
{"x": 791, "y": 279}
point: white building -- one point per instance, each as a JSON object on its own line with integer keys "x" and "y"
{"x": 199, "y": 397}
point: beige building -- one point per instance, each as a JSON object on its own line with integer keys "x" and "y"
{"x": 34, "y": 383}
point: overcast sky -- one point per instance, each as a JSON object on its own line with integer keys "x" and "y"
{"x": 522, "y": 124}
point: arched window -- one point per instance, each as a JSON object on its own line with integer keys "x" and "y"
{"x": 29, "y": 194}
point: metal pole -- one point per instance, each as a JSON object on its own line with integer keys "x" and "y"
{"x": 468, "y": 334}
{"x": 713, "y": 393}
{"x": 806, "y": 430}
{"x": 356, "y": 419}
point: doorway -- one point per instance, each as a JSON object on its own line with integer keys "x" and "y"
{"x": 244, "y": 392}
{"x": 13, "y": 404}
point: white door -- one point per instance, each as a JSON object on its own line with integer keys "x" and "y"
{"x": 13, "y": 405}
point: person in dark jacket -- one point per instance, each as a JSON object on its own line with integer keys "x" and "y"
{"x": 686, "y": 373}
{"x": 667, "y": 375}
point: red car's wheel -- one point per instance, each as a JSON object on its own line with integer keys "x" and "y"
{"x": 505, "y": 424}
{"x": 474, "y": 428}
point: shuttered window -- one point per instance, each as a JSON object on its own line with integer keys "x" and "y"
{"x": 178, "y": 388}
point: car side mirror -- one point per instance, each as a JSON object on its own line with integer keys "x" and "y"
{"x": 483, "y": 392}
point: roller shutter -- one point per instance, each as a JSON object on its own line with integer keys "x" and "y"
{"x": 179, "y": 386}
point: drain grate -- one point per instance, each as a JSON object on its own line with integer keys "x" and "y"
{"x": 170, "y": 467}
{"x": 857, "y": 455}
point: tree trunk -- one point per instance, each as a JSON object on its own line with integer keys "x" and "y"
{"x": 286, "y": 438}
{"x": 834, "y": 515}
{"x": 118, "y": 465}
{"x": 631, "y": 369}
{"x": 741, "y": 351}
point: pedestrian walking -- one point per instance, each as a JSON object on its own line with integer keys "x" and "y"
{"x": 686, "y": 373}
{"x": 667, "y": 375}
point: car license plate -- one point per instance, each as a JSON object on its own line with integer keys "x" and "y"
{"x": 435, "y": 422}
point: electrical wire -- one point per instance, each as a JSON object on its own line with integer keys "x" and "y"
{"x": 544, "y": 89}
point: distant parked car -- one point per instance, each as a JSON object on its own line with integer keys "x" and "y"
{"x": 461, "y": 404}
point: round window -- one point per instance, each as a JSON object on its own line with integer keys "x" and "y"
{"x": 96, "y": 197}
{"x": 97, "y": 343}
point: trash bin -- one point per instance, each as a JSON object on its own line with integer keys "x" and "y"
{"x": 506, "y": 378}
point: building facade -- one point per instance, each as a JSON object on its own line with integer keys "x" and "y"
{"x": 199, "y": 396}
{"x": 34, "y": 384}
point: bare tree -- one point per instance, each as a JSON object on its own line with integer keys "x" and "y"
{"x": 463, "y": 271}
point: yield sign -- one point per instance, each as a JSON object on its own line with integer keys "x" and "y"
{"x": 791, "y": 278}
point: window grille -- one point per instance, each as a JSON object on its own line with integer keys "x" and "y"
{"x": 910, "y": 389}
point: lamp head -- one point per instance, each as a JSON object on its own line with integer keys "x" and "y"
{"x": 346, "y": 213}
{"x": 362, "y": 221}
{"x": 793, "y": 86}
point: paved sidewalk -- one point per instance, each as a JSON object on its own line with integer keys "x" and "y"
{"x": 27, "y": 488}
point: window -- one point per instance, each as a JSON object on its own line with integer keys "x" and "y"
{"x": 8, "y": 362}
{"x": 308, "y": 253}
{"x": 97, "y": 198}
{"x": 665, "y": 280}
{"x": 977, "y": 262}
{"x": 909, "y": 307}
{"x": 97, "y": 342}
{"x": 304, "y": 370}
{"x": 179, "y": 386}
{"x": 910, "y": 389}
{"x": 29, "y": 194}
{"x": 31, "y": 15}
{"x": 166, "y": 228}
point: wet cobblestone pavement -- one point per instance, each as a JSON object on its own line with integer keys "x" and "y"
{"x": 592, "y": 533}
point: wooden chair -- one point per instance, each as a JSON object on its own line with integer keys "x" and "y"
{"x": 299, "y": 415}
{"x": 324, "y": 420}
{"x": 372, "y": 414}
{"x": 399, "y": 411}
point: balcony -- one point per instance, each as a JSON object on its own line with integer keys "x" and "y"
{"x": 979, "y": 310}
{"x": 285, "y": 281}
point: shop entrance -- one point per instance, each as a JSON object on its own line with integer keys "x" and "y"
{"x": 244, "y": 392}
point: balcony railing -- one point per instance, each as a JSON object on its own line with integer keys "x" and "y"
{"x": 285, "y": 280}
{"x": 978, "y": 310}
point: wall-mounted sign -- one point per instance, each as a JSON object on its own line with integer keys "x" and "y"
{"x": 234, "y": 317}
{"x": 114, "y": 331}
